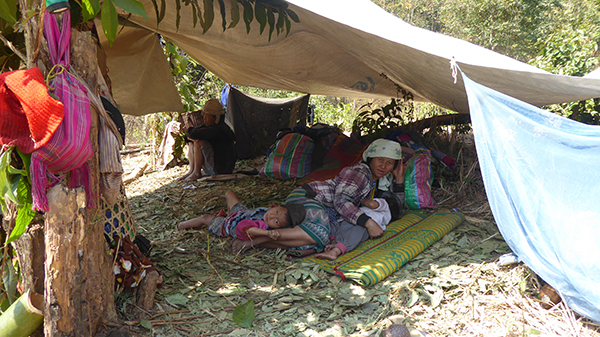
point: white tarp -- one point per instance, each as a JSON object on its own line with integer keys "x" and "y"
{"x": 349, "y": 48}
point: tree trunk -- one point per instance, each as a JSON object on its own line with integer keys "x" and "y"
{"x": 100, "y": 277}
{"x": 79, "y": 284}
{"x": 28, "y": 248}
{"x": 64, "y": 312}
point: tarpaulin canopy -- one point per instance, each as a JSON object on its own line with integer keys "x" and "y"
{"x": 541, "y": 178}
{"x": 538, "y": 168}
{"x": 346, "y": 48}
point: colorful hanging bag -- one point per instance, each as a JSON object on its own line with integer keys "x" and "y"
{"x": 69, "y": 149}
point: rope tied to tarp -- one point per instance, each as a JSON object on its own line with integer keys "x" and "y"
{"x": 454, "y": 68}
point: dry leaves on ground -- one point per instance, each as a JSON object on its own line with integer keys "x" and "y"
{"x": 453, "y": 288}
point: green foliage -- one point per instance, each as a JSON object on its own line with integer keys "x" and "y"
{"x": 123, "y": 301}
{"x": 568, "y": 52}
{"x": 263, "y": 10}
{"x": 375, "y": 123}
{"x": 187, "y": 75}
{"x": 334, "y": 111}
{"x": 8, "y": 11}
{"x": 508, "y": 27}
{"x": 425, "y": 110}
{"x": 421, "y": 13}
{"x": 8, "y": 28}
{"x": 268, "y": 93}
{"x": 210, "y": 87}
{"x": 25, "y": 212}
{"x": 156, "y": 124}
{"x": 109, "y": 20}
{"x": 8, "y": 181}
{"x": 89, "y": 9}
{"x": 243, "y": 314}
{"x": 559, "y": 36}
{"x": 10, "y": 279}
{"x": 573, "y": 50}
{"x": 108, "y": 13}
{"x": 146, "y": 324}
{"x": 179, "y": 146}
{"x": 195, "y": 85}
{"x": 15, "y": 185}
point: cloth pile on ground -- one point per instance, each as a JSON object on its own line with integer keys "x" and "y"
{"x": 344, "y": 152}
{"x": 131, "y": 264}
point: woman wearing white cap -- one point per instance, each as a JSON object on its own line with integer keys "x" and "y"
{"x": 211, "y": 146}
{"x": 380, "y": 175}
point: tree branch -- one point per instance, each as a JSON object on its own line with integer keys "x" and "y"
{"x": 12, "y": 47}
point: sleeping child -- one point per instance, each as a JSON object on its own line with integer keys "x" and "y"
{"x": 255, "y": 222}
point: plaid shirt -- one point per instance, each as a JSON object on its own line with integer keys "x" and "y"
{"x": 345, "y": 192}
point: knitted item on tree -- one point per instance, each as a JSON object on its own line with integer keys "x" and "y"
{"x": 29, "y": 116}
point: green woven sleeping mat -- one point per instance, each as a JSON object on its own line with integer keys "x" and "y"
{"x": 374, "y": 260}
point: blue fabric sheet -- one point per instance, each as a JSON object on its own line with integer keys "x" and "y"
{"x": 542, "y": 178}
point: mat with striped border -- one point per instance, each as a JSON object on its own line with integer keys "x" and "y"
{"x": 374, "y": 260}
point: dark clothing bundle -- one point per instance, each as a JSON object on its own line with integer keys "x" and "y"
{"x": 222, "y": 140}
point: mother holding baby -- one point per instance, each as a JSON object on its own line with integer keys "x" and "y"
{"x": 334, "y": 205}
{"x": 379, "y": 175}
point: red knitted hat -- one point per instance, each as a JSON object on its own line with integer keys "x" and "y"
{"x": 29, "y": 116}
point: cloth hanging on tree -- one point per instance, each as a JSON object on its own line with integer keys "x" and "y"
{"x": 110, "y": 165}
{"x": 29, "y": 116}
{"x": 69, "y": 149}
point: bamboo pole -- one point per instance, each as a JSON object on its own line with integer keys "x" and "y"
{"x": 24, "y": 316}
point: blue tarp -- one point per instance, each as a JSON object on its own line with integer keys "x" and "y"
{"x": 542, "y": 178}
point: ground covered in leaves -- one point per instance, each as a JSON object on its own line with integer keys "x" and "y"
{"x": 453, "y": 288}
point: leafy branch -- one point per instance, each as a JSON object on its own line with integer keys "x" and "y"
{"x": 272, "y": 13}
{"x": 396, "y": 113}
{"x": 15, "y": 185}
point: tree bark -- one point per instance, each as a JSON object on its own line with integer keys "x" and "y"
{"x": 100, "y": 278}
{"x": 65, "y": 263}
{"x": 28, "y": 248}
{"x": 147, "y": 290}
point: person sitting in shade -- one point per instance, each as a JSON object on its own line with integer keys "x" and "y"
{"x": 211, "y": 147}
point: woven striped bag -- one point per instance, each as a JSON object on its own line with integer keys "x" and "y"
{"x": 417, "y": 182}
{"x": 69, "y": 149}
{"x": 290, "y": 158}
